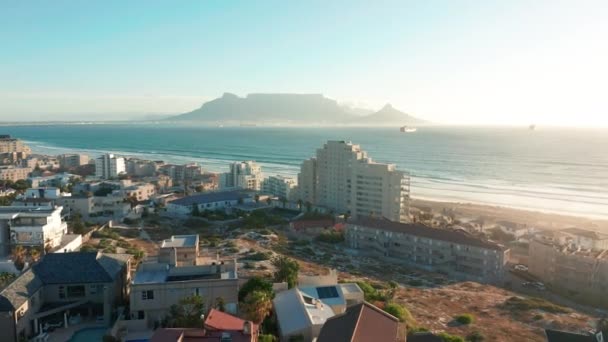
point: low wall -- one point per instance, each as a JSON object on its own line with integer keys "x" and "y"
{"x": 86, "y": 237}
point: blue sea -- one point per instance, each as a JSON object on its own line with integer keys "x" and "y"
{"x": 550, "y": 169}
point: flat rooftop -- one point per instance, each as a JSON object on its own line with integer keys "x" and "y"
{"x": 180, "y": 241}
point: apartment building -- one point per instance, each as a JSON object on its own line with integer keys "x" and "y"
{"x": 112, "y": 206}
{"x": 74, "y": 286}
{"x": 58, "y": 180}
{"x": 343, "y": 178}
{"x": 158, "y": 286}
{"x": 142, "y": 168}
{"x": 14, "y": 173}
{"x": 10, "y": 145}
{"x": 279, "y": 186}
{"x": 140, "y": 191}
{"x": 451, "y": 252}
{"x": 586, "y": 239}
{"x": 72, "y": 160}
{"x": 181, "y": 173}
{"x": 109, "y": 166}
{"x": 30, "y": 226}
{"x": 242, "y": 175}
{"x": 578, "y": 273}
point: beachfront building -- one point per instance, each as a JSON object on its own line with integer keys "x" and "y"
{"x": 109, "y": 166}
{"x": 578, "y": 273}
{"x": 112, "y": 206}
{"x": 139, "y": 191}
{"x": 343, "y": 178}
{"x": 30, "y": 226}
{"x": 56, "y": 180}
{"x": 13, "y": 173}
{"x": 242, "y": 175}
{"x": 209, "y": 201}
{"x": 142, "y": 168}
{"x": 64, "y": 287}
{"x": 158, "y": 286}
{"x": 586, "y": 239}
{"x": 72, "y": 160}
{"x": 451, "y": 252}
{"x": 181, "y": 173}
{"x": 13, "y": 145}
{"x": 279, "y": 186}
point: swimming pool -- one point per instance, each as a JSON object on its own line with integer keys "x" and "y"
{"x": 89, "y": 334}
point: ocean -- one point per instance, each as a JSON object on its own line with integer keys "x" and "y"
{"x": 549, "y": 169}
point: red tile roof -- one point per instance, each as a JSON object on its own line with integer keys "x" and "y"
{"x": 221, "y": 321}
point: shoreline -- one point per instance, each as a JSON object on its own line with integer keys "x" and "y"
{"x": 538, "y": 219}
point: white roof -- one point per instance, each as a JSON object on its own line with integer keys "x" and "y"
{"x": 296, "y": 311}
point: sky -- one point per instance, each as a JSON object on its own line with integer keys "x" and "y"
{"x": 455, "y": 62}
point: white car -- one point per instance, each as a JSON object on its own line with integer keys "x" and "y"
{"x": 522, "y": 268}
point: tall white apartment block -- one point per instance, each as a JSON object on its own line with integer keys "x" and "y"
{"x": 279, "y": 186}
{"x": 343, "y": 178}
{"x": 109, "y": 166}
{"x": 242, "y": 175}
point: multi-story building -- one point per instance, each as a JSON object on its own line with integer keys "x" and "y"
{"x": 158, "y": 286}
{"x": 14, "y": 173}
{"x": 279, "y": 186}
{"x": 451, "y": 252}
{"x": 69, "y": 287}
{"x": 343, "y": 178}
{"x": 58, "y": 180}
{"x": 586, "y": 239}
{"x": 140, "y": 191}
{"x": 111, "y": 206}
{"x": 30, "y": 226}
{"x": 182, "y": 173}
{"x": 578, "y": 273}
{"x": 10, "y": 145}
{"x": 142, "y": 168}
{"x": 179, "y": 250}
{"x": 242, "y": 175}
{"x": 109, "y": 166}
{"x": 41, "y": 162}
{"x": 72, "y": 160}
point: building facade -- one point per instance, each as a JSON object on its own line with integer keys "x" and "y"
{"x": 279, "y": 186}
{"x": 72, "y": 160}
{"x": 12, "y": 145}
{"x": 109, "y": 166}
{"x": 451, "y": 252}
{"x": 30, "y": 226}
{"x": 14, "y": 173}
{"x": 581, "y": 274}
{"x": 343, "y": 178}
{"x": 242, "y": 175}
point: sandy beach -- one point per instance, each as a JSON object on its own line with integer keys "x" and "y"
{"x": 536, "y": 219}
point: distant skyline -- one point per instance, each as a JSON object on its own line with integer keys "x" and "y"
{"x": 454, "y": 62}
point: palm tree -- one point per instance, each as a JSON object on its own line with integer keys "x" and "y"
{"x": 34, "y": 254}
{"x": 257, "y": 306}
{"x": 18, "y": 256}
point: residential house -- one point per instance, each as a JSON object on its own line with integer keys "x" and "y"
{"x": 63, "y": 287}
{"x": 209, "y": 201}
{"x": 586, "y": 239}
{"x": 158, "y": 286}
{"x": 513, "y": 228}
{"x": 179, "y": 250}
{"x": 362, "y": 323}
{"x": 300, "y": 315}
{"x": 452, "y": 252}
{"x": 30, "y": 226}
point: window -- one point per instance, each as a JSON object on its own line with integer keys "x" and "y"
{"x": 76, "y": 291}
{"x": 61, "y": 292}
{"x": 140, "y": 314}
{"x": 147, "y": 295}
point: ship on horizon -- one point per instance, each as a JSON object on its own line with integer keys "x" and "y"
{"x": 406, "y": 129}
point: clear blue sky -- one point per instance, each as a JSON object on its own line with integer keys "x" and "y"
{"x": 501, "y": 62}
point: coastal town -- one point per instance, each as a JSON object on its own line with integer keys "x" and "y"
{"x": 118, "y": 248}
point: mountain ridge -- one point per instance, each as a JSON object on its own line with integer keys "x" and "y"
{"x": 290, "y": 108}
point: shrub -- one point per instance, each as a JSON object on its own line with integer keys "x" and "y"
{"x": 533, "y": 303}
{"x": 402, "y": 313}
{"x": 259, "y": 256}
{"x": 330, "y": 237}
{"x": 267, "y": 338}
{"x": 450, "y": 338}
{"x": 254, "y": 284}
{"x": 465, "y": 318}
{"x": 475, "y": 336}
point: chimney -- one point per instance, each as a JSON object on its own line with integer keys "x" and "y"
{"x": 247, "y": 327}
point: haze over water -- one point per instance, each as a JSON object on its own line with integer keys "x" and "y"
{"x": 550, "y": 169}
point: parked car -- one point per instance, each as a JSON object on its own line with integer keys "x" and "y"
{"x": 522, "y": 268}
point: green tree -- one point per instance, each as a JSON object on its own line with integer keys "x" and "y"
{"x": 76, "y": 224}
{"x": 34, "y": 253}
{"x": 187, "y": 313}
{"x": 475, "y": 336}
{"x": 255, "y": 284}
{"x": 220, "y": 304}
{"x": 257, "y": 306}
{"x": 286, "y": 270}
{"x": 401, "y": 312}
{"x": 465, "y": 319}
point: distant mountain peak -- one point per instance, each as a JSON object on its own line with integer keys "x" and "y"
{"x": 230, "y": 96}
{"x": 386, "y": 107}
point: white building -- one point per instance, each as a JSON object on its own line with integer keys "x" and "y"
{"x": 279, "y": 186}
{"x": 109, "y": 166}
{"x": 586, "y": 239}
{"x": 242, "y": 175}
{"x": 30, "y": 226}
{"x": 343, "y": 178}
{"x": 72, "y": 160}
{"x": 208, "y": 201}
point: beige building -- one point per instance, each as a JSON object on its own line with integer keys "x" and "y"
{"x": 10, "y": 145}
{"x": 343, "y": 178}
{"x": 581, "y": 274}
{"x": 179, "y": 250}
{"x": 279, "y": 186}
{"x": 14, "y": 173}
{"x": 73, "y": 160}
{"x": 30, "y": 226}
{"x": 141, "y": 191}
{"x": 451, "y": 252}
{"x": 158, "y": 286}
